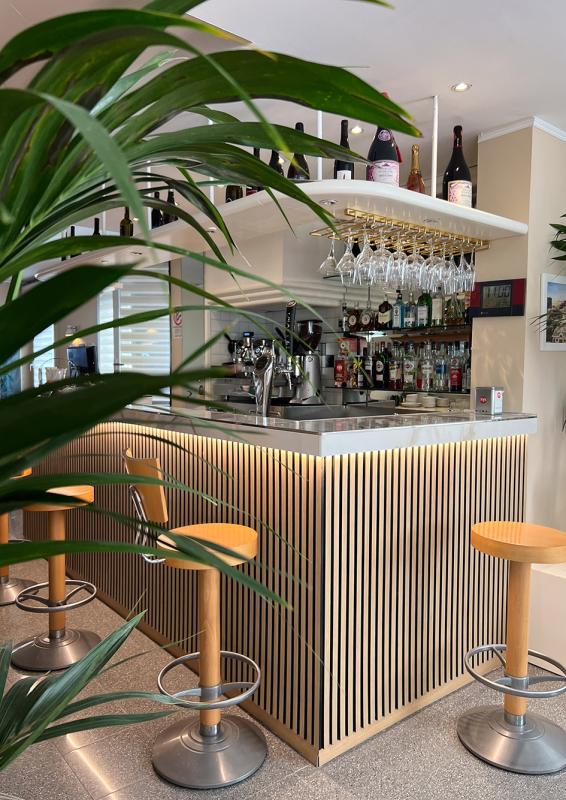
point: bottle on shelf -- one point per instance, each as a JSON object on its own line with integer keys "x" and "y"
{"x": 384, "y": 157}
{"x": 453, "y": 311}
{"x": 344, "y": 317}
{"x": 395, "y": 370}
{"x": 156, "y": 215}
{"x": 275, "y": 163}
{"x": 170, "y": 216}
{"x": 298, "y": 168}
{"x": 437, "y": 309}
{"x": 344, "y": 170}
{"x": 426, "y": 369}
{"x": 409, "y": 367}
{"x": 367, "y": 321}
{"x": 455, "y": 373}
{"x": 424, "y": 310}
{"x": 381, "y": 367}
{"x": 467, "y": 368}
{"x": 398, "y": 312}
{"x": 384, "y": 316}
{"x": 233, "y": 192}
{"x": 126, "y": 224}
{"x": 410, "y": 313}
{"x": 367, "y": 369}
{"x": 354, "y": 320}
{"x": 96, "y": 231}
{"x": 415, "y": 181}
{"x": 258, "y": 188}
{"x": 440, "y": 371}
{"x": 457, "y": 182}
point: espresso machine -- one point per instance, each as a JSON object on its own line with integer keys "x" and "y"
{"x": 304, "y": 357}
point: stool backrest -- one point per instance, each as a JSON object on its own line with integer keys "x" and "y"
{"x": 152, "y": 495}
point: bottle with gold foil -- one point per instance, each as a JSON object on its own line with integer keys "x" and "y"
{"x": 415, "y": 181}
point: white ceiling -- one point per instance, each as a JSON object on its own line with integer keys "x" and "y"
{"x": 511, "y": 51}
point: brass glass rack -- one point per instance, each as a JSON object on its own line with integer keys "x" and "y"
{"x": 393, "y": 232}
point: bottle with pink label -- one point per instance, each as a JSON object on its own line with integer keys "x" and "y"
{"x": 457, "y": 183}
{"x": 384, "y": 158}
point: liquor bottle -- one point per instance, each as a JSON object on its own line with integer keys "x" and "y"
{"x": 258, "y": 188}
{"x": 398, "y": 312}
{"x": 367, "y": 322}
{"x": 367, "y": 369}
{"x": 169, "y": 216}
{"x": 353, "y": 320}
{"x": 467, "y": 368}
{"x": 233, "y": 192}
{"x": 395, "y": 371}
{"x": 384, "y": 157}
{"x": 410, "y": 313}
{"x": 96, "y": 231}
{"x": 298, "y": 168}
{"x": 344, "y": 317}
{"x": 385, "y": 316}
{"x": 156, "y": 215}
{"x": 381, "y": 368}
{"x": 126, "y": 224}
{"x": 424, "y": 310}
{"x": 440, "y": 372}
{"x": 415, "y": 181}
{"x": 274, "y": 162}
{"x": 455, "y": 375}
{"x": 457, "y": 183}
{"x": 453, "y": 311}
{"x": 344, "y": 170}
{"x": 409, "y": 367}
{"x": 437, "y": 309}
{"x": 426, "y": 369}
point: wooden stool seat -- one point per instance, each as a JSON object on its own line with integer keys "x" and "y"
{"x": 237, "y": 538}
{"x": 84, "y": 494}
{"x": 521, "y": 542}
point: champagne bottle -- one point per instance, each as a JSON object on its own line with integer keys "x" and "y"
{"x": 415, "y": 181}
{"x": 126, "y": 224}
{"x": 254, "y": 189}
{"x": 384, "y": 157}
{"x": 344, "y": 170}
{"x": 233, "y": 192}
{"x": 170, "y": 216}
{"x": 274, "y": 162}
{"x": 298, "y": 168}
{"x": 96, "y": 231}
{"x": 457, "y": 183}
{"x": 156, "y": 215}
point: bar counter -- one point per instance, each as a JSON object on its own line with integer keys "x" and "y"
{"x": 364, "y": 529}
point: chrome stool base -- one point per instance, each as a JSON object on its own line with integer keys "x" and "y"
{"x": 182, "y": 755}
{"x": 10, "y": 588}
{"x": 535, "y": 748}
{"x": 44, "y": 653}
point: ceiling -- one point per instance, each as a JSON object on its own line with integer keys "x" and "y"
{"x": 511, "y": 53}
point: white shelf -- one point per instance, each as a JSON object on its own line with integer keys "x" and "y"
{"x": 257, "y": 215}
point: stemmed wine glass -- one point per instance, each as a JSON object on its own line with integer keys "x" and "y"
{"x": 347, "y": 263}
{"x": 396, "y": 267}
{"x": 414, "y": 266}
{"x": 379, "y": 263}
{"x": 328, "y": 266}
{"x": 362, "y": 273}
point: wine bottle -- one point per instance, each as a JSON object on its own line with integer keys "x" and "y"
{"x": 384, "y": 157}
{"x": 254, "y": 189}
{"x": 156, "y": 215}
{"x": 274, "y": 162}
{"x": 170, "y": 216}
{"x": 298, "y": 168}
{"x": 96, "y": 231}
{"x": 415, "y": 181}
{"x": 126, "y": 224}
{"x": 344, "y": 170}
{"x": 233, "y": 192}
{"x": 457, "y": 183}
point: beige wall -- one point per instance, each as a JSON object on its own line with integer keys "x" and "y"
{"x": 521, "y": 175}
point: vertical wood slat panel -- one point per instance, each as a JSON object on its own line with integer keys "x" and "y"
{"x": 391, "y": 593}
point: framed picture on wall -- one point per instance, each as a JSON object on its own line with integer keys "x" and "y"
{"x": 553, "y": 308}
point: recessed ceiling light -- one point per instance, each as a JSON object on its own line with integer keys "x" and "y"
{"x": 461, "y": 87}
{"x": 356, "y": 130}
{"x": 281, "y": 160}
{"x": 327, "y": 202}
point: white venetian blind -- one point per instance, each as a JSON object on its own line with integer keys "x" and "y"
{"x": 143, "y": 347}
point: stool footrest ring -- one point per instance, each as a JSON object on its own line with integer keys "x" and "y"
{"x": 247, "y": 688}
{"x": 47, "y": 606}
{"x": 508, "y": 683}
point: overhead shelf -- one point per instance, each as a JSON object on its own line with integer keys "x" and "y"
{"x": 257, "y": 215}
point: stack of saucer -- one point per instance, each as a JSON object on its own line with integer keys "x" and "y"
{"x": 411, "y": 401}
{"x": 429, "y": 402}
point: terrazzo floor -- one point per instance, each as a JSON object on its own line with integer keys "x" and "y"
{"x": 417, "y": 759}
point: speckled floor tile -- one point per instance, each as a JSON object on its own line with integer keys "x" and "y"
{"x": 41, "y": 772}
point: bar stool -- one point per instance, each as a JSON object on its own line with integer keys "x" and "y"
{"x": 212, "y": 751}
{"x": 10, "y": 587}
{"x": 508, "y": 737}
{"x": 59, "y": 647}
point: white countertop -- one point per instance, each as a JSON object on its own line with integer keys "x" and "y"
{"x": 332, "y": 437}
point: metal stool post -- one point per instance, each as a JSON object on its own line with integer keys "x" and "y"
{"x": 59, "y": 647}
{"x": 9, "y": 587}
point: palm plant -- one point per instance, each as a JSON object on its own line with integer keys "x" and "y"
{"x": 75, "y": 142}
